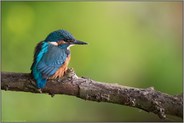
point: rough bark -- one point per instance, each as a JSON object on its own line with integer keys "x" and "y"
{"x": 146, "y": 99}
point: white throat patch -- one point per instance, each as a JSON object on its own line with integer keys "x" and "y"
{"x": 70, "y": 46}
{"x": 54, "y": 43}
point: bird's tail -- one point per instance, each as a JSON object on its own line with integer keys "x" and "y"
{"x": 40, "y": 82}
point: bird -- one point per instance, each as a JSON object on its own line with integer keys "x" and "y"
{"x": 52, "y": 56}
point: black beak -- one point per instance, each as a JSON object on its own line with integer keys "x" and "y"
{"x": 79, "y": 42}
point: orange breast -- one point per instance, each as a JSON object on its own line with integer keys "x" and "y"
{"x": 60, "y": 72}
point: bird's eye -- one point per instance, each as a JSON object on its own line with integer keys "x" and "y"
{"x": 68, "y": 40}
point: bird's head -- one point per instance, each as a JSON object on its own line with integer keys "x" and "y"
{"x": 63, "y": 39}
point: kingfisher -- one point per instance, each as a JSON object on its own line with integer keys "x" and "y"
{"x": 52, "y": 56}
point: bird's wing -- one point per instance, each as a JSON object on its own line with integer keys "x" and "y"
{"x": 52, "y": 60}
{"x": 40, "y": 49}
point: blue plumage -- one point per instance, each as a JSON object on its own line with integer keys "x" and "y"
{"x": 50, "y": 55}
{"x": 52, "y": 60}
{"x": 59, "y": 34}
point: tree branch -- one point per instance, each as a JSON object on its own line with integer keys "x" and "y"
{"x": 146, "y": 99}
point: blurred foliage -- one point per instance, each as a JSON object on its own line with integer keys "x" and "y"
{"x": 131, "y": 43}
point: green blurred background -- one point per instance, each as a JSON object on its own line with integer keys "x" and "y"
{"x": 135, "y": 44}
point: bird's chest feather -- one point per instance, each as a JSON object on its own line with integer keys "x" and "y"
{"x": 61, "y": 71}
{"x": 56, "y": 56}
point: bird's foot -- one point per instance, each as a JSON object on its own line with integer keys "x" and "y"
{"x": 70, "y": 74}
{"x": 61, "y": 79}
